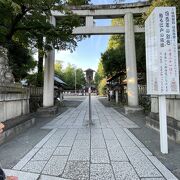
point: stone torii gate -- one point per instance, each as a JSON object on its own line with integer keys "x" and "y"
{"x": 90, "y": 13}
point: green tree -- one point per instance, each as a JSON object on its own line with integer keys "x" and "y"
{"x": 69, "y": 77}
{"x": 80, "y": 78}
{"x": 113, "y": 59}
{"x": 99, "y": 75}
{"x": 102, "y": 87}
{"x": 21, "y": 61}
{"x": 79, "y": 2}
{"x": 25, "y": 22}
{"x": 58, "y": 69}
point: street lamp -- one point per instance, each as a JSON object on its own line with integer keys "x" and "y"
{"x": 75, "y": 81}
{"x": 89, "y": 78}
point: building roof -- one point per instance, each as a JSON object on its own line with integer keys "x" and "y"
{"x": 58, "y": 80}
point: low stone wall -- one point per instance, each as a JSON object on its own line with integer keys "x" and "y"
{"x": 16, "y": 126}
{"x": 13, "y": 105}
{"x": 173, "y": 120}
{"x": 172, "y": 106}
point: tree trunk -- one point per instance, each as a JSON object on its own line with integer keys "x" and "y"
{"x": 40, "y": 62}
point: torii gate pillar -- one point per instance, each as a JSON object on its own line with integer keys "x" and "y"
{"x": 48, "y": 89}
{"x": 131, "y": 68}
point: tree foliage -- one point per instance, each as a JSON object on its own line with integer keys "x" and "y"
{"x": 68, "y": 75}
{"x": 20, "y": 60}
{"x": 157, "y": 3}
{"x": 102, "y": 87}
{"x": 58, "y": 69}
{"x": 80, "y": 79}
{"x": 99, "y": 75}
{"x": 113, "y": 59}
{"x": 26, "y": 23}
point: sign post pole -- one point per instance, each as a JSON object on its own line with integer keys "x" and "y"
{"x": 90, "y": 116}
{"x": 163, "y": 124}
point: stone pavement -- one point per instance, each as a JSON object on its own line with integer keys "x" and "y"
{"x": 106, "y": 151}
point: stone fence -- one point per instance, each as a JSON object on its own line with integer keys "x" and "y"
{"x": 14, "y": 101}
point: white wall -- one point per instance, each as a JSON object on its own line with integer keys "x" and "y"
{"x": 13, "y": 105}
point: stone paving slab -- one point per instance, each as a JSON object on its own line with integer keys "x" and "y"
{"x": 146, "y": 151}
{"x": 77, "y": 170}
{"x": 66, "y": 142}
{"x": 141, "y": 163}
{"x": 166, "y": 173}
{"x": 123, "y": 138}
{"x": 124, "y": 170}
{"x": 62, "y": 151}
{"x": 26, "y": 159}
{"x": 101, "y": 171}
{"x": 34, "y": 166}
{"x": 78, "y": 154}
{"x": 55, "y": 166}
{"x": 99, "y": 156}
{"x": 43, "y": 154}
{"x": 81, "y": 136}
{"x": 109, "y": 134}
{"x": 82, "y": 144}
{"x": 44, "y": 177}
{"x": 135, "y": 140}
{"x": 21, "y": 175}
{"x": 152, "y": 179}
{"x": 116, "y": 152}
{"x": 105, "y": 151}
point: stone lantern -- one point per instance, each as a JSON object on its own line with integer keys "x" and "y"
{"x": 89, "y": 78}
{"x": 89, "y": 75}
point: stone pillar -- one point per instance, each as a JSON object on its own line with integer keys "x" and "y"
{"x": 89, "y": 21}
{"x": 117, "y": 98}
{"x": 48, "y": 90}
{"x": 131, "y": 68}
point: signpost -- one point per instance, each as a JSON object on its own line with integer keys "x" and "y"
{"x": 89, "y": 78}
{"x": 162, "y": 62}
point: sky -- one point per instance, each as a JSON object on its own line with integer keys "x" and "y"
{"x": 88, "y": 52}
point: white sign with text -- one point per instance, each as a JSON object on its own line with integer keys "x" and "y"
{"x": 162, "y": 52}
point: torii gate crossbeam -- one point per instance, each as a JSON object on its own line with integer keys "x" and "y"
{"x": 90, "y": 13}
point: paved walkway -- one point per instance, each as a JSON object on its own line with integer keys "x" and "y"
{"x": 106, "y": 151}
